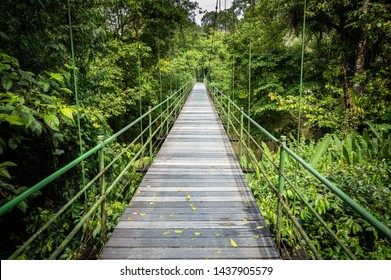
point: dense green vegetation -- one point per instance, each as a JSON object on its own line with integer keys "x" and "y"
{"x": 131, "y": 54}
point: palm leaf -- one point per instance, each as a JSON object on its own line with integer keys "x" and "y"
{"x": 320, "y": 150}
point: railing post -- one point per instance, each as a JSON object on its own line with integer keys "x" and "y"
{"x": 229, "y": 115}
{"x": 168, "y": 116}
{"x": 218, "y": 101}
{"x": 102, "y": 184}
{"x": 281, "y": 182}
{"x": 241, "y": 135}
{"x": 150, "y": 132}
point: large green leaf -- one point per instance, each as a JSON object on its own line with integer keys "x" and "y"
{"x": 36, "y": 126}
{"x": 345, "y": 154}
{"x": 4, "y": 173}
{"x": 56, "y": 76}
{"x": 8, "y": 163}
{"x": 22, "y": 206}
{"x": 374, "y": 130}
{"x": 12, "y": 119}
{"x": 320, "y": 150}
{"x": 67, "y": 112}
{"x": 66, "y": 90}
{"x": 52, "y": 121}
{"x": 4, "y": 67}
{"x": 6, "y": 82}
{"x": 365, "y": 136}
{"x": 3, "y": 169}
{"x": 45, "y": 85}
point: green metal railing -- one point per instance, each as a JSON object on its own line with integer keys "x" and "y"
{"x": 234, "y": 118}
{"x": 159, "y": 120}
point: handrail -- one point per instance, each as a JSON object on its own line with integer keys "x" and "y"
{"x": 172, "y": 105}
{"x": 222, "y": 100}
{"x": 21, "y": 197}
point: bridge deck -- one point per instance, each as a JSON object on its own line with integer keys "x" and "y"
{"x": 194, "y": 202}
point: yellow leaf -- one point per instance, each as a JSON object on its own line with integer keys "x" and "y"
{"x": 245, "y": 220}
{"x": 128, "y": 218}
{"x": 197, "y": 233}
{"x": 188, "y": 197}
{"x": 143, "y": 214}
{"x": 166, "y": 232}
{"x": 171, "y": 215}
{"x": 178, "y": 231}
{"x": 193, "y": 207}
{"x": 233, "y": 243}
{"x": 218, "y": 234}
{"x": 260, "y": 227}
{"x": 151, "y": 203}
{"x": 218, "y": 252}
{"x": 256, "y": 236}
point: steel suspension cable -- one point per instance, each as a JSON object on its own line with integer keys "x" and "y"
{"x": 301, "y": 85}
{"x": 301, "y": 72}
{"x": 76, "y": 95}
{"x": 213, "y": 34}
{"x": 159, "y": 68}
{"x": 139, "y": 89}
{"x": 233, "y": 56}
{"x": 250, "y": 67}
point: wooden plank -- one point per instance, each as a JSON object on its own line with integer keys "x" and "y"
{"x": 190, "y": 253}
{"x": 194, "y": 198}
{"x": 187, "y": 209}
{"x": 189, "y": 189}
{"x": 204, "y": 204}
{"x": 244, "y": 217}
{"x": 188, "y": 224}
{"x": 192, "y": 241}
{"x": 189, "y": 195}
{"x": 152, "y": 233}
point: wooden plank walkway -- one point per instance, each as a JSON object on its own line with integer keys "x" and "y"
{"x": 194, "y": 198}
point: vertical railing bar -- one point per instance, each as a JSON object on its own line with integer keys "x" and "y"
{"x": 241, "y": 136}
{"x": 168, "y": 117}
{"x": 150, "y": 134}
{"x": 281, "y": 183}
{"x": 102, "y": 184}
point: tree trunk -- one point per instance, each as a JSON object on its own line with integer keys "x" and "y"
{"x": 345, "y": 64}
{"x": 361, "y": 51}
{"x": 360, "y": 61}
{"x": 347, "y": 97}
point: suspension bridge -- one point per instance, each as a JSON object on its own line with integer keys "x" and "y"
{"x": 194, "y": 202}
